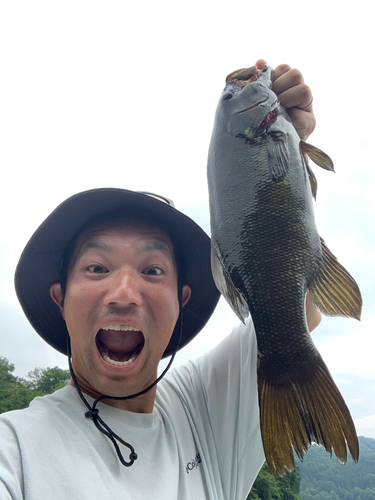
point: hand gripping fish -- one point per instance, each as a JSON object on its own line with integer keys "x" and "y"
{"x": 266, "y": 255}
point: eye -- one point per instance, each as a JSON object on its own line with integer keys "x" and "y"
{"x": 96, "y": 269}
{"x": 153, "y": 271}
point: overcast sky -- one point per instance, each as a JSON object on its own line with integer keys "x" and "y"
{"x": 123, "y": 94}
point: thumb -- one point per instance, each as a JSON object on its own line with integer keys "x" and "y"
{"x": 260, "y": 63}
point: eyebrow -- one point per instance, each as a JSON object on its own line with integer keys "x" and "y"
{"x": 156, "y": 244}
{"x": 94, "y": 244}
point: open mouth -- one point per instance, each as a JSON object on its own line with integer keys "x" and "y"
{"x": 119, "y": 345}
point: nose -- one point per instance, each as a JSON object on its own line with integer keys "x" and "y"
{"x": 124, "y": 290}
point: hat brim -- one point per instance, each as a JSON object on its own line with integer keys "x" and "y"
{"x": 41, "y": 259}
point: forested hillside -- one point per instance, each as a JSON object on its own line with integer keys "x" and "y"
{"x": 325, "y": 478}
{"x": 320, "y": 477}
{"x": 268, "y": 487}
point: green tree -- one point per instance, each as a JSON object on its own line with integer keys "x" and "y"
{"x": 265, "y": 486}
{"x": 16, "y": 392}
{"x": 48, "y": 380}
{"x": 324, "y": 477}
{"x": 268, "y": 487}
{"x": 289, "y": 485}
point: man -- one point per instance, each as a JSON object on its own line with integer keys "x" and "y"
{"x": 117, "y": 280}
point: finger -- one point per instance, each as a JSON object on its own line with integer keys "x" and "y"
{"x": 281, "y": 69}
{"x": 260, "y": 63}
{"x": 286, "y": 80}
{"x": 299, "y": 96}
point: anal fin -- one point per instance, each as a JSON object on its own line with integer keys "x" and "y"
{"x": 336, "y": 293}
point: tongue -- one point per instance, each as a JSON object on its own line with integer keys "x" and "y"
{"x": 123, "y": 342}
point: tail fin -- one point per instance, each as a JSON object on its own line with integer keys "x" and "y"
{"x": 304, "y": 410}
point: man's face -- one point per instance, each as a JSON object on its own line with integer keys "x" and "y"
{"x": 120, "y": 306}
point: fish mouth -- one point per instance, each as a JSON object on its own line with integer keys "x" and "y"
{"x": 268, "y": 120}
{"x": 119, "y": 345}
{"x": 254, "y": 106}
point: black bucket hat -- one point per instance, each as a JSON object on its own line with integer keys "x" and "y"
{"x": 41, "y": 260}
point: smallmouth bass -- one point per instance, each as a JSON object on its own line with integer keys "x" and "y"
{"x": 266, "y": 255}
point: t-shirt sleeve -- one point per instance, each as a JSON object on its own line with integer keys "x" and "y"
{"x": 11, "y": 478}
{"x": 223, "y": 389}
{"x": 229, "y": 373}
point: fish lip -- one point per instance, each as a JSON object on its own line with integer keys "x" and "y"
{"x": 252, "y": 107}
{"x": 273, "y": 106}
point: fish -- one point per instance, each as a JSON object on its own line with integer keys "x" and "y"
{"x": 267, "y": 255}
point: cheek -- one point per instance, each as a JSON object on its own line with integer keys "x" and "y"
{"x": 77, "y": 306}
{"x": 167, "y": 307}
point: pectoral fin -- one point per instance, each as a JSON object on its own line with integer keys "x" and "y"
{"x": 317, "y": 156}
{"x": 278, "y": 155}
{"x": 226, "y": 287}
{"x": 336, "y": 293}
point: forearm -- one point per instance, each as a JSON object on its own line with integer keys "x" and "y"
{"x": 313, "y": 316}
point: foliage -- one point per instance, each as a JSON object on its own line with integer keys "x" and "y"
{"x": 16, "y": 392}
{"x": 268, "y": 487}
{"x": 320, "y": 477}
{"x": 48, "y": 380}
{"x": 326, "y": 478}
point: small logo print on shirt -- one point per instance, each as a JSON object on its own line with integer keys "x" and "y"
{"x": 194, "y": 463}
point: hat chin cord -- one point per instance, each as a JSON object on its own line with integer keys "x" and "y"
{"x": 93, "y": 412}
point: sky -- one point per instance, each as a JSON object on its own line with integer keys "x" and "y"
{"x": 123, "y": 94}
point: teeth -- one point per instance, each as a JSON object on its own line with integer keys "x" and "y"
{"x": 104, "y": 352}
{"x": 121, "y": 328}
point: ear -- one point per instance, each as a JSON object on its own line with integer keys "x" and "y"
{"x": 57, "y": 296}
{"x": 186, "y": 294}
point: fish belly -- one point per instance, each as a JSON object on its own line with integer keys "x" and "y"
{"x": 265, "y": 235}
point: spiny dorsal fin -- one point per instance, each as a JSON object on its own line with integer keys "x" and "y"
{"x": 317, "y": 156}
{"x": 336, "y": 293}
{"x": 225, "y": 286}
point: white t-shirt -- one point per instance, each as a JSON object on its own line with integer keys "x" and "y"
{"x": 202, "y": 440}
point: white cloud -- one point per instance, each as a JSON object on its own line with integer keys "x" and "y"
{"x": 365, "y": 426}
{"x": 351, "y": 352}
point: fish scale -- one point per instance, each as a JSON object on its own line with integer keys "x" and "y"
{"x": 266, "y": 254}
